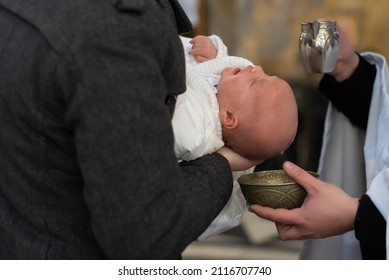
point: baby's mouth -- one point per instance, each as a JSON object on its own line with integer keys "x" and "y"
{"x": 236, "y": 71}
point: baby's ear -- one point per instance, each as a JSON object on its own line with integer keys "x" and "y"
{"x": 228, "y": 119}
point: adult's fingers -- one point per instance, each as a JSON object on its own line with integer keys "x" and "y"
{"x": 300, "y": 176}
{"x": 289, "y": 232}
{"x": 283, "y": 216}
{"x": 288, "y": 222}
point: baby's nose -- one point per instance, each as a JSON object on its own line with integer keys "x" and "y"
{"x": 256, "y": 69}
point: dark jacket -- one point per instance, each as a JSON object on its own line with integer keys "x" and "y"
{"x": 86, "y": 145}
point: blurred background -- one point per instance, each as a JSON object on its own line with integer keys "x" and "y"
{"x": 267, "y": 32}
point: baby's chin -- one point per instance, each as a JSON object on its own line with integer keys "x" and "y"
{"x": 266, "y": 154}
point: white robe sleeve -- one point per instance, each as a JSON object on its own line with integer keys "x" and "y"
{"x": 377, "y": 141}
{"x": 356, "y": 163}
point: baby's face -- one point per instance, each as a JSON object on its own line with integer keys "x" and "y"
{"x": 238, "y": 86}
{"x": 266, "y": 108}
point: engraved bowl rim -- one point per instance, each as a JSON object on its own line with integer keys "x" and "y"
{"x": 244, "y": 179}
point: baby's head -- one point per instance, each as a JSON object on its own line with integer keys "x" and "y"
{"x": 258, "y": 112}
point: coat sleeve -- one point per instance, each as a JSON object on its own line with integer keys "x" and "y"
{"x": 352, "y": 97}
{"x": 370, "y": 230}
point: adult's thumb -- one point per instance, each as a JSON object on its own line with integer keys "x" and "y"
{"x": 299, "y": 175}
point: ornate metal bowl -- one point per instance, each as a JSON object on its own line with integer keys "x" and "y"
{"x": 272, "y": 188}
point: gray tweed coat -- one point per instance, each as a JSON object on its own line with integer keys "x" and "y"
{"x": 87, "y": 168}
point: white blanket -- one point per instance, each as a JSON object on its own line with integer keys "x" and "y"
{"x": 197, "y": 127}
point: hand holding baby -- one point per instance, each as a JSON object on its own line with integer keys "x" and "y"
{"x": 236, "y": 161}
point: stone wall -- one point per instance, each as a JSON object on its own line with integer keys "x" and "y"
{"x": 267, "y": 31}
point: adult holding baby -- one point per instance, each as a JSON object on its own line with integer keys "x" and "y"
{"x": 88, "y": 169}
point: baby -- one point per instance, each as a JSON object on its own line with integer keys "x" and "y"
{"x": 230, "y": 102}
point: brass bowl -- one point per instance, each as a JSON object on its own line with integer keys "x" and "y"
{"x": 272, "y": 188}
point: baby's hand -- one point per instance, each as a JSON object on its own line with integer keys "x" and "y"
{"x": 203, "y": 48}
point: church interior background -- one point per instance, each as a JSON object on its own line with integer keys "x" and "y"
{"x": 267, "y": 32}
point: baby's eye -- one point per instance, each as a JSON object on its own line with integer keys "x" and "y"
{"x": 254, "y": 82}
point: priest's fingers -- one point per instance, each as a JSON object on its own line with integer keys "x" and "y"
{"x": 283, "y": 216}
{"x": 293, "y": 232}
{"x": 302, "y": 177}
{"x": 289, "y": 223}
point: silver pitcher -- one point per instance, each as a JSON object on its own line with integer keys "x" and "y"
{"x": 319, "y": 46}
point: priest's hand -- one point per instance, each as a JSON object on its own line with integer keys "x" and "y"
{"x": 348, "y": 60}
{"x": 326, "y": 211}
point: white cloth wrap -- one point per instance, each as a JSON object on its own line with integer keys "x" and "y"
{"x": 197, "y": 127}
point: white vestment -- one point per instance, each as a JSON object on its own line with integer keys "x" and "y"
{"x": 358, "y": 162}
{"x": 197, "y": 127}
